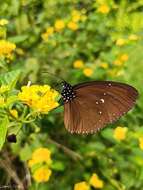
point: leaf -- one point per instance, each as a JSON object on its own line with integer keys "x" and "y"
{"x": 18, "y": 39}
{"x": 108, "y": 134}
{"x": 59, "y": 166}
{"x": 10, "y": 78}
{"x": 3, "y": 130}
{"x": 11, "y": 100}
{"x": 15, "y": 128}
{"x": 25, "y": 153}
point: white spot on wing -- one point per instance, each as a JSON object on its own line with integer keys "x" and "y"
{"x": 102, "y": 100}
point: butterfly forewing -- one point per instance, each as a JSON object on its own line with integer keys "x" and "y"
{"x": 96, "y": 104}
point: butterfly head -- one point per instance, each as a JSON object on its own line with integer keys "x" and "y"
{"x": 67, "y": 93}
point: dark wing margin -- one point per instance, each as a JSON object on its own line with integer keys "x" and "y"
{"x": 97, "y": 104}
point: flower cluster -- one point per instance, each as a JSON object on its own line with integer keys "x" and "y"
{"x": 121, "y": 59}
{"x": 124, "y": 41}
{"x": 94, "y": 181}
{"x": 72, "y": 23}
{"x": 40, "y": 98}
{"x": 41, "y": 158}
{"x": 79, "y": 64}
{"x": 6, "y": 48}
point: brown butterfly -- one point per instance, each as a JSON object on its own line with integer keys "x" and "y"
{"x": 90, "y": 106}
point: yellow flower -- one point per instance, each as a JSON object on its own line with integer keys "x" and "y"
{"x": 40, "y": 98}
{"x": 95, "y": 181}
{"x": 81, "y": 186}
{"x": 120, "y": 42}
{"x": 6, "y": 47}
{"x": 78, "y": 64}
{"x": 141, "y": 143}
{"x": 50, "y": 30}
{"x": 3, "y": 22}
{"x": 59, "y": 25}
{"x": 88, "y": 72}
{"x": 133, "y": 37}
{"x": 104, "y": 65}
{"x": 76, "y": 15}
{"x": 72, "y": 25}
{"x": 45, "y": 36}
{"x": 42, "y": 174}
{"x": 104, "y": 9}
{"x": 124, "y": 57}
{"x": 120, "y": 133}
{"x": 40, "y": 155}
{"x": 118, "y": 62}
{"x": 14, "y": 113}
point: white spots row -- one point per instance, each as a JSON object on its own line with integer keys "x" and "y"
{"x": 86, "y": 132}
{"x": 109, "y": 84}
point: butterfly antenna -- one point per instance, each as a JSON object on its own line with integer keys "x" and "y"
{"x": 53, "y": 75}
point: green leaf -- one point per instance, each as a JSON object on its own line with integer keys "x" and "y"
{"x": 59, "y": 166}
{"x": 18, "y": 39}
{"x": 108, "y": 134}
{"x": 14, "y": 128}
{"x": 3, "y": 130}
{"x": 25, "y": 153}
{"x": 10, "y": 78}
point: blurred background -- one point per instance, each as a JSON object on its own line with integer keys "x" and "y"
{"x": 78, "y": 41}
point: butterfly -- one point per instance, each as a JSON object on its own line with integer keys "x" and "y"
{"x": 90, "y": 106}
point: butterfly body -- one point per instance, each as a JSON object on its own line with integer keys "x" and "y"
{"x": 90, "y": 106}
{"x": 67, "y": 93}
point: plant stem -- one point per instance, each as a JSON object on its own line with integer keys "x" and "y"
{"x": 75, "y": 156}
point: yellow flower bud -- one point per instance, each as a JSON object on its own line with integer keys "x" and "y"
{"x": 81, "y": 186}
{"x": 88, "y": 72}
{"x": 42, "y": 174}
{"x": 78, "y": 64}
{"x": 95, "y": 181}
{"x": 72, "y": 25}
{"x": 120, "y": 133}
{"x": 59, "y": 25}
{"x": 104, "y": 9}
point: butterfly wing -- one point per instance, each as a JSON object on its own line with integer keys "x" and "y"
{"x": 96, "y": 104}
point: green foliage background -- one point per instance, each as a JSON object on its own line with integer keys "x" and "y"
{"x": 119, "y": 164}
